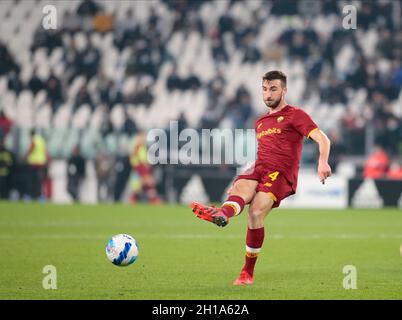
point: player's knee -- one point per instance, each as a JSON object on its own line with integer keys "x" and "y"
{"x": 258, "y": 211}
{"x": 255, "y": 212}
{"x": 242, "y": 190}
{"x": 256, "y": 218}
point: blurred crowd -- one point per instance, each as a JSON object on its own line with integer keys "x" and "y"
{"x": 379, "y": 165}
{"x": 125, "y": 175}
{"x": 380, "y": 74}
{"x": 376, "y": 72}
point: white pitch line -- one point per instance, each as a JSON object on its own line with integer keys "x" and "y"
{"x": 204, "y": 236}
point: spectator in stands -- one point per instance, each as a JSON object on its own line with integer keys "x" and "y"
{"x": 144, "y": 96}
{"x": 334, "y": 93}
{"x": 106, "y": 126}
{"x": 49, "y": 39}
{"x": 225, "y": 23}
{"x": 71, "y": 61}
{"x": 194, "y": 23}
{"x": 389, "y": 90}
{"x": 284, "y": 7}
{"x": 141, "y": 63}
{"x": 89, "y": 60}
{"x": 299, "y": 48}
{"x": 71, "y": 23}
{"x": 239, "y": 109}
{"x": 241, "y": 92}
{"x": 116, "y": 92}
{"x": 126, "y": 30}
{"x": 7, "y": 165}
{"x": 102, "y": 22}
{"x": 338, "y": 149}
{"x": 88, "y": 8}
{"x": 37, "y": 159}
{"x": 75, "y": 173}
{"x": 393, "y": 135}
{"x": 386, "y": 44}
{"x": 183, "y": 7}
{"x": 182, "y": 123}
{"x": 35, "y": 84}
{"x": 7, "y": 62}
{"x": 152, "y": 35}
{"x": 109, "y": 92}
{"x": 122, "y": 169}
{"x": 192, "y": 82}
{"x": 104, "y": 168}
{"x": 54, "y": 92}
{"x": 219, "y": 52}
{"x": 353, "y": 131}
{"x": 186, "y": 17}
{"x": 153, "y": 19}
{"x": 377, "y": 164}
{"x": 395, "y": 170}
{"x": 103, "y": 88}
{"x": 245, "y": 110}
{"x": 386, "y": 125}
{"x": 139, "y": 163}
{"x": 5, "y": 124}
{"x": 14, "y": 82}
{"x": 397, "y": 74}
{"x": 251, "y": 52}
{"x": 216, "y": 104}
{"x": 173, "y": 81}
{"x": 358, "y": 77}
{"x": 129, "y": 126}
{"x": 240, "y": 32}
{"x": 83, "y": 97}
{"x": 367, "y": 15}
{"x": 330, "y": 7}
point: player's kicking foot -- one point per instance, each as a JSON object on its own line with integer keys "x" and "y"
{"x": 211, "y": 214}
{"x": 243, "y": 279}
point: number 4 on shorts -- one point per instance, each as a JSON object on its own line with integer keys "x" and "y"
{"x": 273, "y": 175}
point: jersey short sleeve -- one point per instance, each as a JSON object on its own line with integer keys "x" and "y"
{"x": 303, "y": 123}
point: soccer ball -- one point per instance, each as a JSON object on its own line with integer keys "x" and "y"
{"x": 122, "y": 250}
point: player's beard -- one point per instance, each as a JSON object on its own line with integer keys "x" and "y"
{"x": 273, "y": 103}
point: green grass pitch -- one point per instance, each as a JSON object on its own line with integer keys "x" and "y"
{"x": 182, "y": 257}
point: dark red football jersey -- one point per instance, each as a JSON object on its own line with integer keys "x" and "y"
{"x": 280, "y": 140}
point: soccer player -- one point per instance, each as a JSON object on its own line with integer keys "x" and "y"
{"x": 141, "y": 165}
{"x": 273, "y": 177}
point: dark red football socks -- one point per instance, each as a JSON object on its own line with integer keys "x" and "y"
{"x": 254, "y": 241}
{"x": 233, "y": 206}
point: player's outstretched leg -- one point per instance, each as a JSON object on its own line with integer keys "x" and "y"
{"x": 210, "y": 213}
{"x": 220, "y": 216}
{"x": 254, "y": 241}
{"x": 259, "y": 208}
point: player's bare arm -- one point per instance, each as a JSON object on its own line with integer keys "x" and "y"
{"x": 324, "y": 170}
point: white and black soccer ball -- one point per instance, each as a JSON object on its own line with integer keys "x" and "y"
{"x": 122, "y": 250}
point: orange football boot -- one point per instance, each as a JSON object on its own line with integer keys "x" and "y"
{"x": 211, "y": 214}
{"x": 243, "y": 279}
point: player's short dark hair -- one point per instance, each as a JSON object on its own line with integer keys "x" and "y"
{"x": 275, "y": 75}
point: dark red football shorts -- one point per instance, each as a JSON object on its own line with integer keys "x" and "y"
{"x": 270, "y": 181}
{"x": 143, "y": 170}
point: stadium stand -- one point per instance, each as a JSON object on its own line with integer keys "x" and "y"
{"x": 112, "y": 68}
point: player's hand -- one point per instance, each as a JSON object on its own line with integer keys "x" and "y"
{"x": 324, "y": 171}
